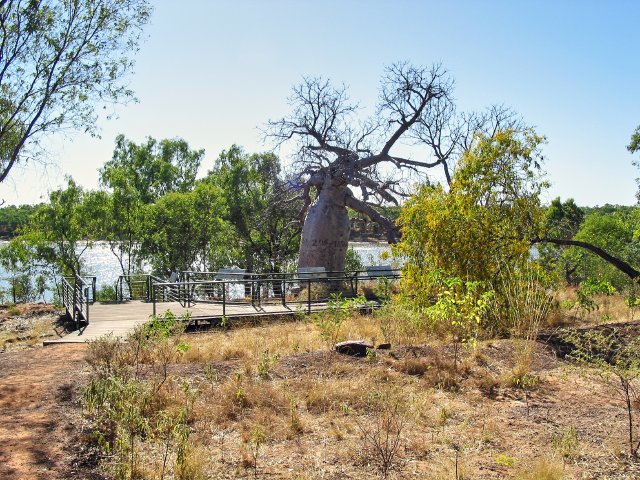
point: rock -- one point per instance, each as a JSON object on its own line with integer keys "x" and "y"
{"x": 355, "y": 348}
{"x": 384, "y": 346}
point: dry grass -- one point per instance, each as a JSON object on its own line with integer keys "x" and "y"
{"x": 312, "y": 409}
{"x": 280, "y": 339}
{"x": 24, "y": 330}
{"x": 273, "y": 402}
{"x": 541, "y": 469}
{"x": 611, "y": 308}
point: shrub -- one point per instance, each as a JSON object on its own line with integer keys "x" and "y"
{"x": 567, "y": 444}
{"x": 616, "y": 360}
{"x": 116, "y": 407}
{"x": 353, "y": 262}
{"x": 585, "y": 303}
{"x": 129, "y": 401}
{"x": 330, "y": 321}
{"x": 106, "y": 293}
{"x": 524, "y": 299}
{"x": 266, "y": 363}
{"x": 381, "y": 432}
{"x": 459, "y": 307}
{"x": 400, "y": 322}
{"x": 166, "y": 324}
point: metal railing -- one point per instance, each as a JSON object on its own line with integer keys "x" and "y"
{"x": 257, "y": 290}
{"x": 300, "y": 291}
{"x": 134, "y": 287}
{"x": 138, "y": 286}
{"x": 77, "y": 294}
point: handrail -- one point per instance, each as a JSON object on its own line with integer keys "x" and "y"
{"x": 287, "y": 288}
{"x": 395, "y": 272}
{"x": 76, "y": 297}
{"x": 135, "y": 286}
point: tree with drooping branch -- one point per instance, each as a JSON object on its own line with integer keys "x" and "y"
{"x": 61, "y": 62}
{"x": 343, "y": 162}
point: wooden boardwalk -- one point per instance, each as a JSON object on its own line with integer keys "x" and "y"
{"x": 119, "y": 319}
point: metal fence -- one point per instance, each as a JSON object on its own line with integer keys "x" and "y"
{"x": 257, "y": 290}
{"x": 77, "y": 294}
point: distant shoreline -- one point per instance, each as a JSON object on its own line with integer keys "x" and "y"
{"x": 363, "y": 238}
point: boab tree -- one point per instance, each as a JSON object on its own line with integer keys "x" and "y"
{"x": 336, "y": 155}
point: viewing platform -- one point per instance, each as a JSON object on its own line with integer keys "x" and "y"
{"x": 216, "y": 297}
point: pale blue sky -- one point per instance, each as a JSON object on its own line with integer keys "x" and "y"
{"x": 212, "y": 72}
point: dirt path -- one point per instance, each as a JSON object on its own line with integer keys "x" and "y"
{"x": 38, "y": 412}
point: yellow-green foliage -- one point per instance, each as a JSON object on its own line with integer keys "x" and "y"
{"x": 486, "y": 219}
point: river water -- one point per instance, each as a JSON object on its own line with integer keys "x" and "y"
{"x": 101, "y": 263}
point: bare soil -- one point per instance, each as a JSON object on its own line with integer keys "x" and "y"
{"x": 39, "y": 412}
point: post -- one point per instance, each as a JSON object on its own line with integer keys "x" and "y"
{"x": 283, "y": 291}
{"x": 356, "y": 279}
{"x": 258, "y": 295}
{"x": 153, "y": 296}
{"x": 75, "y": 302}
{"x": 224, "y": 299}
{"x": 309, "y": 295}
{"x": 253, "y": 292}
{"x": 86, "y": 315}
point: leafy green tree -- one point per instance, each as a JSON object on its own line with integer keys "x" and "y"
{"x": 634, "y": 144}
{"x": 266, "y": 225}
{"x": 13, "y": 217}
{"x": 633, "y": 147}
{"x": 486, "y": 219}
{"x": 59, "y": 59}
{"x": 562, "y": 220}
{"x": 60, "y": 231}
{"x": 121, "y": 216}
{"x": 16, "y": 259}
{"x": 613, "y": 233}
{"x": 609, "y": 229}
{"x": 53, "y": 241}
{"x": 138, "y": 175}
{"x": 182, "y": 228}
{"x": 458, "y": 243}
{"x": 151, "y": 169}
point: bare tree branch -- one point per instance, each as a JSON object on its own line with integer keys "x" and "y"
{"x": 335, "y": 152}
{"x": 393, "y": 233}
{"x": 616, "y": 262}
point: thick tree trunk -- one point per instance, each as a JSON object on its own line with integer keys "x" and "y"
{"x": 325, "y": 234}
